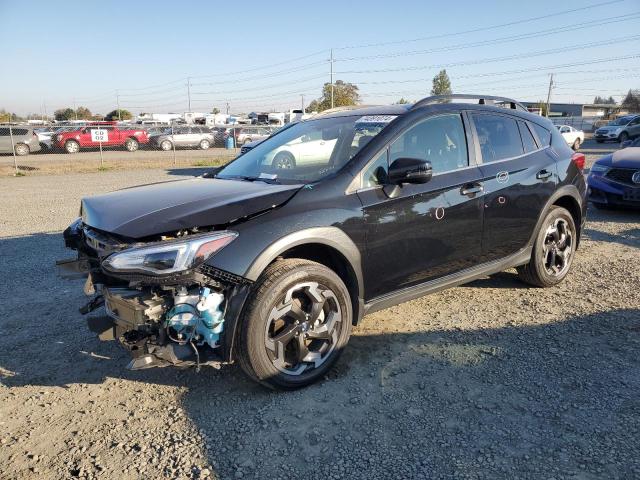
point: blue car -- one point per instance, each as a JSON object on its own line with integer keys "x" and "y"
{"x": 614, "y": 180}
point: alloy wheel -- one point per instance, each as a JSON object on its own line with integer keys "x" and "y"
{"x": 303, "y": 328}
{"x": 284, "y": 161}
{"x": 558, "y": 247}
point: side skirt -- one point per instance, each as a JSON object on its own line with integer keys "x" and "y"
{"x": 465, "y": 276}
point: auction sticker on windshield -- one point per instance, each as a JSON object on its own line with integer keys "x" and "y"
{"x": 376, "y": 119}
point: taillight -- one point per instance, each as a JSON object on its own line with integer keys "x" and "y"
{"x": 579, "y": 159}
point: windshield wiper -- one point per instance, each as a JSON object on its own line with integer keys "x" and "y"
{"x": 249, "y": 178}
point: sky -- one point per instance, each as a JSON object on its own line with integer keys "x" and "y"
{"x": 263, "y": 56}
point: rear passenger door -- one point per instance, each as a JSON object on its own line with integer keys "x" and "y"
{"x": 519, "y": 176}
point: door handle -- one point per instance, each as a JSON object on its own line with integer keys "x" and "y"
{"x": 471, "y": 189}
{"x": 542, "y": 174}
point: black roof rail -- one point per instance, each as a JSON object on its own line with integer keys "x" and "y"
{"x": 482, "y": 100}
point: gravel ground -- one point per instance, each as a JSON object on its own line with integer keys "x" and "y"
{"x": 491, "y": 380}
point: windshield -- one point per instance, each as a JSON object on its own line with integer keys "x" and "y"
{"x": 621, "y": 121}
{"x": 307, "y": 151}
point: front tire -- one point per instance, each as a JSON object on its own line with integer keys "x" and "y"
{"x": 21, "y": 149}
{"x": 131, "y": 144}
{"x": 553, "y": 250}
{"x": 284, "y": 161}
{"x": 166, "y": 145}
{"x": 72, "y": 146}
{"x": 205, "y": 144}
{"x": 295, "y": 325}
{"x": 624, "y": 136}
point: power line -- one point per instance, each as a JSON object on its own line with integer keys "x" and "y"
{"x": 483, "y": 29}
{"x": 496, "y": 41}
{"x": 581, "y": 46}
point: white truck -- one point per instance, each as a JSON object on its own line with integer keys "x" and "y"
{"x": 572, "y": 136}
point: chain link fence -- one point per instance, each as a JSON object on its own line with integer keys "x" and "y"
{"x": 27, "y": 149}
{"x": 586, "y": 124}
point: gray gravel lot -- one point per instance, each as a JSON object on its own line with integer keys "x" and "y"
{"x": 493, "y": 380}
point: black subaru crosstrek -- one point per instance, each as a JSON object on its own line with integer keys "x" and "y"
{"x": 271, "y": 260}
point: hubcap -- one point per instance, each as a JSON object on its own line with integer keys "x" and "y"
{"x": 284, "y": 162}
{"x": 558, "y": 247}
{"x": 303, "y": 328}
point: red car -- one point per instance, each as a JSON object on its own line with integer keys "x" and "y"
{"x": 115, "y": 136}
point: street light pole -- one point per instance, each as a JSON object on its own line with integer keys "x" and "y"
{"x": 189, "y": 92}
{"x": 118, "y": 104}
{"x": 302, "y": 95}
{"x": 331, "y": 74}
{"x": 549, "y": 95}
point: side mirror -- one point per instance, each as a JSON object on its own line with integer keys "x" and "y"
{"x": 410, "y": 170}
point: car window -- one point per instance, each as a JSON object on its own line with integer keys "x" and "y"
{"x": 543, "y": 135}
{"x": 635, "y": 122}
{"x": 527, "y": 138}
{"x": 377, "y": 171}
{"x": 498, "y": 136}
{"x": 564, "y": 130}
{"x": 440, "y": 140}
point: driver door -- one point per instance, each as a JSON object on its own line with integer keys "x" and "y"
{"x": 428, "y": 230}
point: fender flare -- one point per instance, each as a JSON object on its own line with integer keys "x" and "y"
{"x": 331, "y": 237}
{"x": 564, "y": 191}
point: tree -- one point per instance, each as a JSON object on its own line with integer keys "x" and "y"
{"x": 64, "y": 114}
{"x": 441, "y": 84}
{"x": 402, "y": 101}
{"x": 113, "y": 115}
{"x": 344, "y": 94}
{"x": 604, "y": 101}
{"x": 215, "y": 111}
{"x": 632, "y": 101}
{"x": 542, "y": 105}
{"x": 4, "y": 116}
{"x": 83, "y": 113}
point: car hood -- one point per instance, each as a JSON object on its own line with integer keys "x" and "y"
{"x": 626, "y": 158}
{"x": 170, "y": 206}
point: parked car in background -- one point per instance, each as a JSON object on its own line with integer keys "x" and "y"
{"x": 249, "y": 145}
{"x": 572, "y": 136}
{"x": 44, "y": 137}
{"x": 252, "y": 133}
{"x": 619, "y": 130}
{"x": 185, "y": 136}
{"x": 74, "y": 140}
{"x": 25, "y": 139}
{"x": 614, "y": 180}
{"x": 271, "y": 264}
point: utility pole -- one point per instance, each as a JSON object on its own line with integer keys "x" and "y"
{"x": 227, "y": 108}
{"x": 549, "y": 94}
{"x": 75, "y": 110}
{"x": 331, "y": 74}
{"x": 189, "y": 91}
{"x": 118, "y": 104}
{"x": 302, "y": 95}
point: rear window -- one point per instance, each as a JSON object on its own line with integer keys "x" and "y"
{"x": 499, "y": 137}
{"x": 543, "y": 134}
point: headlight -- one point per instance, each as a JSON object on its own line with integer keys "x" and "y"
{"x": 598, "y": 169}
{"x": 169, "y": 257}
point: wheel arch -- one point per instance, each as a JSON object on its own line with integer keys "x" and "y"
{"x": 328, "y": 246}
{"x": 567, "y": 197}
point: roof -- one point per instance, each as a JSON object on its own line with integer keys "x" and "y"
{"x": 365, "y": 110}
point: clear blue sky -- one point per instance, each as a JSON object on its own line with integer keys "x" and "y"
{"x": 61, "y": 51}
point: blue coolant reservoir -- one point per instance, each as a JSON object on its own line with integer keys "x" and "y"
{"x": 211, "y": 321}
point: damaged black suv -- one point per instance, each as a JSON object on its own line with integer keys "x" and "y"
{"x": 271, "y": 260}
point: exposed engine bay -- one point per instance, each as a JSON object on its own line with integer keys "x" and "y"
{"x": 161, "y": 302}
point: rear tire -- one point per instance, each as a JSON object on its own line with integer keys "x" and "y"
{"x": 131, "y": 144}
{"x": 21, "y": 149}
{"x": 71, "y": 146}
{"x": 284, "y": 161}
{"x": 205, "y": 144}
{"x": 553, "y": 250}
{"x": 623, "y": 137}
{"x": 166, "y": 145}
{"x": 295, "y": 325}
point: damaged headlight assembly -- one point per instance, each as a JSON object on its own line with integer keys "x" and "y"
{"x": 168, "y": 257}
